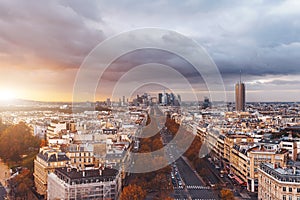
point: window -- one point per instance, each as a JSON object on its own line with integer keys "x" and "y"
{"x": 298, "y": 191}
{"x": 298, "y": 198}
{"x": 284, "y": 189}
{"x": 290, "y": 189}
{"x": 290, "y": 197}
{"x": 283, "y": 197}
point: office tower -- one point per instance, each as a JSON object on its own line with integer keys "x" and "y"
{"x": 120, "y": 102}
{"x": 240, "y": 97}
{"x": 160, "y": 98}
{"x": 108, "y": 102}
{"x": 179, "y": 98}
{"x": 123, "y": 101}
{"x": 206, "y": 103}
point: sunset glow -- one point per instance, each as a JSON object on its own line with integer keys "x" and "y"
{"x": 6, "y": 95}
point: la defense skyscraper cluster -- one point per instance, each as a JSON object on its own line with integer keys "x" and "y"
{"x": 240, "y": 97}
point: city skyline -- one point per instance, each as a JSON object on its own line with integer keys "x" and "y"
{"x": 42, "y": 51}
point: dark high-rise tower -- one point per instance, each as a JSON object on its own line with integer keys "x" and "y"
{"x": 240, "y": 97}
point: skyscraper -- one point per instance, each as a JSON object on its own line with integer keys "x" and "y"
{"x": 240, "y": 98}
{"x": 160, "y": 98}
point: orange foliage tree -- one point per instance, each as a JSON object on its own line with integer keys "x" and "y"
{"x": 17, "y": 140}
{"x": 133, "y": 192}
{"x": 226, "y": 194}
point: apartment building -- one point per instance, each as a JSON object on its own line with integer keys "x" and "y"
{"x": 241, "y": 156}
{"x": 71, "y": 184}
{"x": 54, "y": 128}
{"x": 230, "y": 140}
{"x": 291, "y": 146}
{"x": 277, "y": 183}
{"x": 263, "y": 154}
{"x": 80, "y": 155}
{"x": 239, "y": 161}
{"x": 45, "y": 162}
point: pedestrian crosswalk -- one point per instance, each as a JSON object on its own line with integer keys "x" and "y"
{"x": 197, "y": 187}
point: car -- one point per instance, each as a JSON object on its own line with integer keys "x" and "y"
{"x": 211, "y": 184}
{"x": 172, "y": 174}
{"x": 231, "y": 176}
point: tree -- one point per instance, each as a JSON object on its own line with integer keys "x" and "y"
{"x": 226, "y": 194}
{"x": 17, "y": 140}
{"x": 172, "y": 126}
{"x": 162, "y": 184}
{"x": 133, "y": 192}
{"x": 2, "y": 126}
{"x": 20, "y": 185}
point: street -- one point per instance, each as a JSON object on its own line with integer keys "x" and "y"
{"x": 2, "y": 192}
{"x": 186, "y": 182}
{"x": 196, "y": 189}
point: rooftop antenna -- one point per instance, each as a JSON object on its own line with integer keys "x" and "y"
{"x": 240, "y": 75}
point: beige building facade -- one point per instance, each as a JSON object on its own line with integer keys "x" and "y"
{"x": 276, "y": 183}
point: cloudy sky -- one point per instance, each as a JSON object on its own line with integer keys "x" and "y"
{"x": 42, "y": 45}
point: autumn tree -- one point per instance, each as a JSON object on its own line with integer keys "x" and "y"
{"x": 17, "y": 140}
{"x": 2, "y": 126}
{"x": 226, "y": 194}
{"x": 133, "y": 192}
{"x": 192, "y": 152}
{"x": 21, "y": 185}
{"x": 172, "y": 126}
{"x": 160, "y": 183}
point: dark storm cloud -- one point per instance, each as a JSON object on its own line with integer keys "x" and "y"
{"x": 53, "y": 32}
{"x": 257, "y": 37}
{"x": 157, "y": 56}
